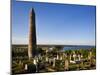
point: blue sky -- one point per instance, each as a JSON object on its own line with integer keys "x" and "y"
{"x": 55, "y": 23}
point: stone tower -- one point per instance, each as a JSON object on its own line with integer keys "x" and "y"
{"x": 32, "y": 35}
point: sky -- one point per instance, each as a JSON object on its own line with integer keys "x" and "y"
{"x": 65, "y": 24}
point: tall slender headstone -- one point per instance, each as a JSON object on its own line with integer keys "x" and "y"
{"x": 57, "y": 57}
{"x": 32, "y": 35}
{"x": 79, "y": 57}
{"x": 54, "y": 62}
{"x": 74, "y": 56}
{"x": 66, "y": 65}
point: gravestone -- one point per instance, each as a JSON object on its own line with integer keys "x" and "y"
{"x": 57, "y": 57}
{"x": 54, "y": 61}
{"x": 66, "y": 65}
{"x": 61, "y": 57}
{"x": 74, "y": 56}
{"x": 79, "y": 57}
{"x": 26, "y": 68}
{"x": 35, "y": 62}
{"x": 47, "y": 59}
{"x": 70, "y": 57}
{"x": 90, "y": 57}
{"x": 64, "y": 55}
{"x": 20, "y": 62}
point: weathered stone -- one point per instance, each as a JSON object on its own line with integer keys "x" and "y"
{"x": 32, "y": 35}
{"x": 66, "y": 65}
{"x": 26, "y": 67}
{"x": 54, "y": 62}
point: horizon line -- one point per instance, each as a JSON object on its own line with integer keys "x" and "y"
{"x": 56, "y": 44}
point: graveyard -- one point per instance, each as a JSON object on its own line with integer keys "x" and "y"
{"x": 53, "y": 60}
